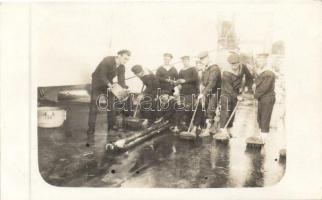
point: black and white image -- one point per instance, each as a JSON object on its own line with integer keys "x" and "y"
{"x": 159, "y": 95}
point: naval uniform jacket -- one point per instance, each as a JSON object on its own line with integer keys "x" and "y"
{"x": 163, "y": 74}
{"x": 265, "y": 84}
{"x": 106, "y": 71}
{"x": 151, "y": 85}
{"x": 230, "y": 84}
{"x": 190, "y": 75}
{"x": 211, "y": 79}
{"x": 148, "y": 102}
{"x": 248, "y": 76}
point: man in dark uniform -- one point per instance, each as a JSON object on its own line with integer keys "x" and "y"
{"x": 210, "y": 86}
{"x": 230, "y": 89}
{"x": 265, "y": 94}
{"x": 245, "y": 69}
{"x": 167, "y": 75}
{"x": 149, "y": 96}
{"x": 102, "y": 79}
{"x": 187, "y": 84}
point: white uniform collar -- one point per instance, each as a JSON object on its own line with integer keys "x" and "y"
{"x": 167, "y": 67}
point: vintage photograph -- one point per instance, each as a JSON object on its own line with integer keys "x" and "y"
{"x": 159, "y": 95}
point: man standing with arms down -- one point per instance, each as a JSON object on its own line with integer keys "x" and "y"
{"x": 265, "y": 94}
{"x": 167, "y": 75}
{"x": 102, "y": 79}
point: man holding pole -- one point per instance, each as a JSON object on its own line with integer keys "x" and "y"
{"x": 209, "y": 87}
{"x": 230, "y": 89}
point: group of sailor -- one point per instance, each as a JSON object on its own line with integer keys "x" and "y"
{"x": 198, "y": 94}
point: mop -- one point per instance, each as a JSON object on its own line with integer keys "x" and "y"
{"x": 187, "y": 134}
{"x": 254, "y": 141}
{"x": 225, "y": 137}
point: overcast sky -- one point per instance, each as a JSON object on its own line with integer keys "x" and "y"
{"x": 69, "y": 40}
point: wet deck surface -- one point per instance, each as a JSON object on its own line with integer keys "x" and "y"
{"x": 164, "y": 161}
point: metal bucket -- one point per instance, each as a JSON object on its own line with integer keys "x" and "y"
{"x": 51, "y": 117}
{"x": 120, "y": 93}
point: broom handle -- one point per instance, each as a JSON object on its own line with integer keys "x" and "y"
{"x": 231, "y": 115}
{"x": 256, "y": 123}
{"x": 137, "y": 107}
{"x": 194, "y": 113}
{"x": 107, "y": 114}
{"x": 193, "y": 116}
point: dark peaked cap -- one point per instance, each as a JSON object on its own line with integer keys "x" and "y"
{"x": 137, "y": 69}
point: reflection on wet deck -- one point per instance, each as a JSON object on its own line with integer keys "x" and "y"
{"x": 165, "y": 161}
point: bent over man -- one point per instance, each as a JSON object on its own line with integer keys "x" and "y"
{"x": 230, "y": 88}
{"x": 149, "y": 98}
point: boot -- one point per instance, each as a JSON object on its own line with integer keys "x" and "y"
{"x": 184, "y": 126}
{"x": 193, "y": 131}
{"x": 229, "y": 132}
{"x": 224, "y": 132}
{"x": 175, "y": 129}
{"x": 198, "y": 131}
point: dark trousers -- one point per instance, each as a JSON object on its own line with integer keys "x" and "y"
{"x": 227, "y": 105}
{"x": 96, "y": 92}
{"x": 148, "y": 108}
{"x": 166, "y": 111}
{"x": 201, "y": 115}
{"x": 189, "y": 105}
{"x": 210, "y": 106}
{"x": 264, "y": 112}
{"x": 206, "y": 112}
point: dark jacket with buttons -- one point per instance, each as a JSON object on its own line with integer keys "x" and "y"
{"x": 151, "y": 84}
{"x": 231, "y": 84}
{"x": 190, "y": 75}
{"x": 265, "y": 84}
{"x": 211, "y": 79}
{"x": 163, "y": 74}
{"x": 106, "y": 71}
